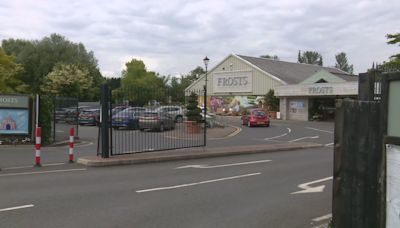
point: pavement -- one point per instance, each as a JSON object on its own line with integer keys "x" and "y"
{"x": 195, "y": 153}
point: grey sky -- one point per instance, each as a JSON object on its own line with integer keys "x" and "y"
{"x": 173, "y": 36}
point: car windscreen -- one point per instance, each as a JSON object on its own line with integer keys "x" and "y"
{"x": 258, "y": 113}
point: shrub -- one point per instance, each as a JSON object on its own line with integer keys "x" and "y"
{"x": 193, "y": 112}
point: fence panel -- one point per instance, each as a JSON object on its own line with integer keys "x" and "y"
{"x": 65, "y": 116}
{"x": 153, "y": 120}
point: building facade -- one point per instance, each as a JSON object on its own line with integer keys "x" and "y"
{"x": 305, "y": 91}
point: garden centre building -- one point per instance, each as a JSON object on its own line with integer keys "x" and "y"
{"x": 305, "y": 91}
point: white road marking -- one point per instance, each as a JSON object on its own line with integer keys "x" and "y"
{"x": 329, "y": 144}
{"x": 308, "y": 137}
{"x": 219, "y": 166}
{"x": 315, "y": 129}
{"x": 17, "y": 208}
{"x": 278, "y": 136}
{"x": 196, "y": 183}
{"x": 41, "y": 172}
{"x": 324, "y": 217}
{"x": 30, "y": 166}
{"x": 308, "y": 189}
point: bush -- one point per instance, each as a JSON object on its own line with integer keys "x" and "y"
{"x": 193, "y": 112}
{"x": 271, "y": 101}
{"x": 45, "y": 118}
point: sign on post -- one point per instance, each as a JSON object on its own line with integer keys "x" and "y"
{"x": 14, "y": 114}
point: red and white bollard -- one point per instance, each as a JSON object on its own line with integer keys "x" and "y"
{"x": 71, "y": 145}
{"x": 38, "y": 142}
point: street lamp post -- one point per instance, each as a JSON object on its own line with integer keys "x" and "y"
{"x": 205, "y": 60}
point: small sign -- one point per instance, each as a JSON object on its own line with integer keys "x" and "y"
{"x": 14, "y": 121}
{"x": 14, "y": 101}
{"x": 392, "y": 186}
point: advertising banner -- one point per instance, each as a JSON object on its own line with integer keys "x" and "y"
{"x": 14, "y": 121}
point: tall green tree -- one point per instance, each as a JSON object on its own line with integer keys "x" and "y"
{"x": 141, "y": 85}
{"x": 342, "y": 63}
{"x": 40, "y": 57}
{"x": 67, "y": 81}
{"x": 274, "y": 57}
{"x": 394, "y": 61}
{"x": 10, "y": 73}
{"x": 310, "y": 57}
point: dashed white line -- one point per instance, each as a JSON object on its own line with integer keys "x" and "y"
{"x": 308, "y": 137}
{"x": 278, "y": 136}
{"x": 315, "y": 129}
{"x": 196, "y": 183}
{"x": 324, "y": 217}
{"x": 17, "y": 208}
{"x": 220, "y": 166}
{"x": 329, "y": 144}
{"x": 41, "y": 172}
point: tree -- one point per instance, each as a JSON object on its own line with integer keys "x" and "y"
{"x": 274, "y": 57}
{"x": 342, "y": 63}
{"x": 271, "y": 101}
{"x": 10, "y": 73}
{"x": 68, "y": 81}
{"x": 193, "y": 111}
{"x": 310, "y": 57}
{"x": 394, "y": 61}
{"x": 40, "y": 57}
{"x": 141, "y": 85}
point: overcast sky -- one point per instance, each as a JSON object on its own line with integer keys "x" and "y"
{"x": 173, "y": 36}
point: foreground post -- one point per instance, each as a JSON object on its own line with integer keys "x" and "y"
{"x": 38, "y": 142}
{"x": 71, "y": 145}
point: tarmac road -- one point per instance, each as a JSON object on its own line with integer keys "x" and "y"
{"x": 239, "y": 191}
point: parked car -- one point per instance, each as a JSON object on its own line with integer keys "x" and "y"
{"x": 156, "y": 121}
{"x": 89, "y": 117}
{"x": 117, "y": 109}
{"x": 128, "y": 118}
{"x": 210, "y": 119}
{"x": 176, "y": 112}
{"x": 256, "y": 117}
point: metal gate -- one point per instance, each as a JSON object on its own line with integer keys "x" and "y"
{"x": 135, "y": 121}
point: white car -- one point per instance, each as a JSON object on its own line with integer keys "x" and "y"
{"x": 176, "y": 112}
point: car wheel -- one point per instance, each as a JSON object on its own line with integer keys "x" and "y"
{"x": 267, "y": 125}
{"x": 248, "y": 124}
{"x": 179, "y": 119}
{"x": 141, "y": 129}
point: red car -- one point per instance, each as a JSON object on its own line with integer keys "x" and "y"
{"x": 257, "y": 117}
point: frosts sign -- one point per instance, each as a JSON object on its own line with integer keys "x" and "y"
{"x": 14, "y": 101}
{"x": 238, "y": 81}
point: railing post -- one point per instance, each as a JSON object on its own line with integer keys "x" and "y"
{"x": 105, "y": 137}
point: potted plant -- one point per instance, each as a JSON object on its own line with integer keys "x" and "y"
{"x": 193, "y": 115}
{"x": 272, "y": 103}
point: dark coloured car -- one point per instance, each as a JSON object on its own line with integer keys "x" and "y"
{"x": 159, "y": 121}
{"x": 127, "y": 118}
{"x": 256, "y": 117}
{"x": 89, "y": 117}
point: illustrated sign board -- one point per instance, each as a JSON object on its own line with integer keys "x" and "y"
{"x": 392, "y": 186}
{"x": 235, "y": 81}
{"x": 14, "y": 114}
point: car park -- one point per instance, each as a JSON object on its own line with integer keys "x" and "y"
{"x": 176, "y": 112}
{"x": 156, "y": 121}
{"x": 256, "y": 117}
{"x": 127, "y": 118}
{"x": 89, "y": 117}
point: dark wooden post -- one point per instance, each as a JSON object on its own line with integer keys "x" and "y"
{"x": 357, "y": 153}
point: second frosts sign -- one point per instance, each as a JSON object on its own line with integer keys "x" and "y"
{"x": 238, "y": 81}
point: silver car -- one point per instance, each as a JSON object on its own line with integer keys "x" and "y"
{"x": 156, "y": 121}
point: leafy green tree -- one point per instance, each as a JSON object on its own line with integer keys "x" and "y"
{"x": 68, "y": 81}
{"x": 113, "y": 83}
{"x": 271, "y": 101}
{"x": 141, "y": 85}
{"x": 394, "y": 61}
{"x": 342, "y": 63}
{"x": 274, "y": 57}
{"x": 39, "y": 57}
{"x": 10, "y": 73}
{"x": 310, "y": 57}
